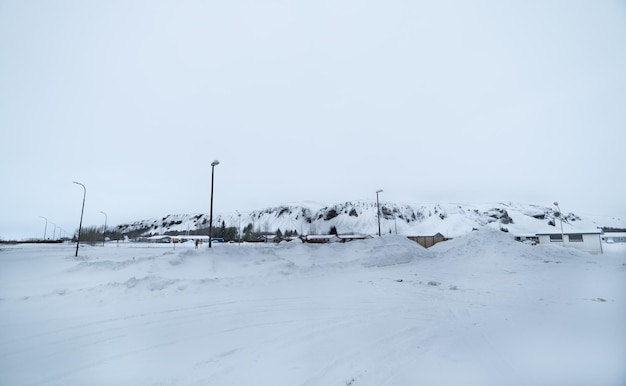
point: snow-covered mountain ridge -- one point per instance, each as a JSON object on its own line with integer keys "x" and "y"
{"x": 359, "y": 217}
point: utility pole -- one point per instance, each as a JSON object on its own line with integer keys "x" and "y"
{"x": 378, "y": 210}
{"x": 80, "y": 225}
{"x": 105, "y": 227}
{"x": 560, "y": 218}
{"x": 213, "y": 165}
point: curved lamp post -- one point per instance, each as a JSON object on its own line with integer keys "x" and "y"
{"x": 105, "y": 227}
{"x": 80, "y": 225}
{"x": 378, "y": 209}
{"x": 213, "y": 165}
{"x": 239, "y": 226}
{"x": 45, "y": 228}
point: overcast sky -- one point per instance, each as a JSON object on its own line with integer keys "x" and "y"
{"x": 432, "y": 101}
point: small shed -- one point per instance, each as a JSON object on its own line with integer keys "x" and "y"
{"x": 428, "y": 241}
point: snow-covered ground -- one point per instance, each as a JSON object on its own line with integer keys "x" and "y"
{"x": 481, "y": 309}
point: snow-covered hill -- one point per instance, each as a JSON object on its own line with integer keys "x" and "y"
{"x": 451, "y": 220}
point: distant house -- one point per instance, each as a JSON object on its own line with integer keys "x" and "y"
{"x": 346, "y": 238}
{"x": 529, "y": 238}
{"x": 321, "y": 239}
{"x": 614, "y": 237}
{"x": 174, "y": 239}
{"x": 269, "y": 238}
{"x": 159, "y": 239}
{"x": 428, "y": 241}
{"x": 587, "y": 241}
{"x": 199, "y": 238}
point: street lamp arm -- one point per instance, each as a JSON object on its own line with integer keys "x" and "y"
{"x": 45, "y": 229}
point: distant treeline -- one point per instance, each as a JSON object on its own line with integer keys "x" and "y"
{"x": 97, "y": 234}
{"x": 611, "y": 229}
{"x": 32, "y": 241}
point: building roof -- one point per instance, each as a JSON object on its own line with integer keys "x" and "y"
{"x": 528, "y": 234}
{"x": 192, "y": 237}
{"x": 320, "y": 237}
{"x": 348, "y": 237}
{"x": 588, "y": 232}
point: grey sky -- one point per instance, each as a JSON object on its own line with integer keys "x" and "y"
{"x": 451, "y": 101}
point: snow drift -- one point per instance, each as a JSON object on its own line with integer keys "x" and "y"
{"x": 481, "y": 309}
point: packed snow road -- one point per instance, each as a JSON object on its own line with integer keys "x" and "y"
{"x": 478, "y": 310}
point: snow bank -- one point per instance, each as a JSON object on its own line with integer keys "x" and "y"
{"x": 481, "y": 309}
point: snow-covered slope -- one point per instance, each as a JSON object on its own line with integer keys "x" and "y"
{"x": 451, "y": 220}
{"x": 481, "y": 309}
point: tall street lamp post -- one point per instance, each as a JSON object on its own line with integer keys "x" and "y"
{"x": 378, "y": 209}
{"x": 239, "y": 226}
{"x": 80, "y": 225}
{"x": 54, "y": 230}
{"x": 45, "y": 228}
{"x": 213, "y": 165}
{"x": 560, "y": 218}
{"x": 105, "y": 227}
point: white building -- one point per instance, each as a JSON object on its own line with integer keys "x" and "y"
{"x": 614, "y": 237}
{"x": 587, "y": 241}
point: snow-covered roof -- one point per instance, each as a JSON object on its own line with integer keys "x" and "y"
{"x": 526, "y": 234}
{"x": 192, "y": 237}
{"x": 354, "y": 236}
{"x": 587, "y": 232}
{"x": 320, "y": 237}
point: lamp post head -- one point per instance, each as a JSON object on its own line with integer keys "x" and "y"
{"x": 556, "y": 203}
{"x": 215, "y": 163}
{"x": 379, "y": 191}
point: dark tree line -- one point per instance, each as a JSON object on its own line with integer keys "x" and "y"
{"x": 95, "y": 234}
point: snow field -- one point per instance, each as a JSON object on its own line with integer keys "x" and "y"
{"x": 477, "y": 310}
